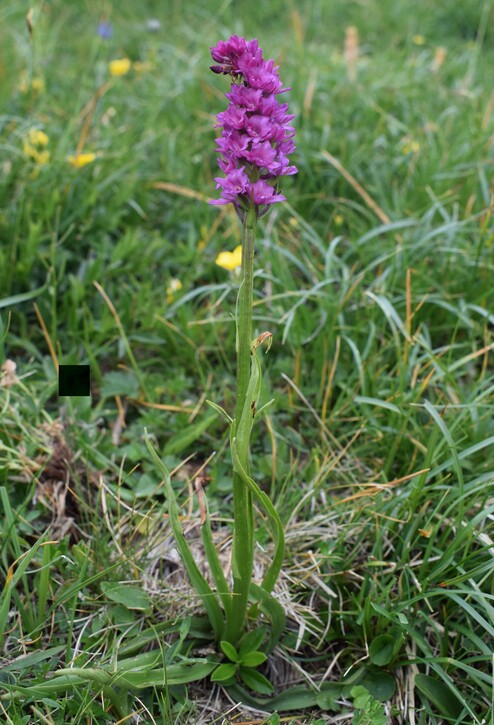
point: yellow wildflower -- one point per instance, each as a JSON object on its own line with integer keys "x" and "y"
{"x": 410, "y": 147}
{"x": 119, "y": 67}
{"x": 37, "y": 137}
{"x": 42, "y": 157}
{"x": 338, "y": 219}
{"x": 37, "y": 85}
{"x": 34, "y": 146}
{"x": 80, "y": 160}
{"x": 230, "y": 260}
{"x": 418, "y": 40}
{"x": 174, "y": 286}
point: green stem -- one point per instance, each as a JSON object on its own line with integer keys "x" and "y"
{"x": 243, "y": 533}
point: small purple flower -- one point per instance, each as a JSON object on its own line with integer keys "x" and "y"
{"x": 256, "y": 136}
{"x": 105, "y": 30}
{"x": 258, "y": 126}
{"x": 264, "y": 193}
{"x": 262, "y": 155}
{"x": 248, "y": 98}
{"x": 235, "y": 183}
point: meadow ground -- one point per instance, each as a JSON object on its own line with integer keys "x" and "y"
{"x": 376, "y": 281}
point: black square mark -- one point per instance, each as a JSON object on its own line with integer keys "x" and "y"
{"x": 74, "y": 380}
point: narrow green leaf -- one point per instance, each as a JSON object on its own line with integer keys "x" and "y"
{"x": 130, "y": 597}
{"x": 66, "y": 679}
{"x": 198, "y": 581}
{"x": 15, "y": 573}
{"x": 439, "y": 694}
{"x": 31, "y": 660}
{"x": 243, "y": 428}
{"x": 25, "y": 296}
{"x": 255, "y": 681}
{"x": 274, "y": 568}
{"x": 263, "y": 408}
{"x": 185, "y": 438}
{"x": 252, "y": 641}
{"x": 198, "y": 627}
{"x": 364, "y": 400}
{"x": 222, "y": 412}
{"x": 221, "y": 584}
{"x": 328, "y": 699}
{"x": 148, "y": 660}
{"x": 273, "y": 609}
{"x": 451, "y": 445}
{"x": 230, "y": 651}
{"x": 294, "y": 698}
{"x": 224, "y": 672}
{"x": 173, "y": 675}
{"x": 253, "y": 659}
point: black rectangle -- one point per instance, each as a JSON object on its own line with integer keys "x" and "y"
{"x": 74, "y": 380}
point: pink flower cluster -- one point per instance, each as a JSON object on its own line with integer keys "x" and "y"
{"x": 256, "y": 137}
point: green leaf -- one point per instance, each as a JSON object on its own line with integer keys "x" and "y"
{"x": 186, "y": 437}
{"x": 274, "y": 719}
{"x": 263, "y": 408}
{"x": 215, "y": 565}
{"x": 224, "y": 672}
{"x": 381, "y": 685}
{"x": 361, "y": 696}
{"x": 25, "y": 296}
{"x": 7, "y": 678}
{"x": 130, "y": 597}
{"x": 121, "y": 616}
{"x": 255, "y": 681}
{"x": 273, "y": 609}
{"x": 31, "y": 660}
{"x": 253, "y": 659}
{"x": 220, "y": 410}
{"x": 181, "y": 674}
{"x": 298, "y": 697}
{"x": 381, "y": 649}
{"x": 252, "y": 641}
{"x": 274, "y": 568}
{"x": 118, "y": 382}
{"x": 197, "y": 580}
{"x": 149, "y": 660}
{"x": 327, "y": 699}
{"x": 230, "y": 651}
{"x": 439, "y": 694}
{"x": 146, "y": 486}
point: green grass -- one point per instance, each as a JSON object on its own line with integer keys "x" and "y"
{"x": 378, "y": 452}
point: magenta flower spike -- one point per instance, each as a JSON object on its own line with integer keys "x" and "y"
{"x": 256, "y": 136}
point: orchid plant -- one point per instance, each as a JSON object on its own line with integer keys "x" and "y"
{"x": 255, "y": 142}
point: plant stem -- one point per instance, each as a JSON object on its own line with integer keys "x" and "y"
{"x": 243, "y": 533}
